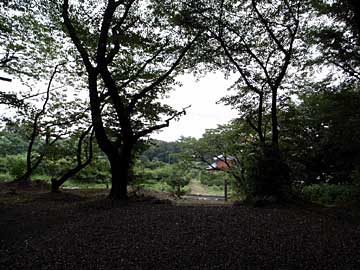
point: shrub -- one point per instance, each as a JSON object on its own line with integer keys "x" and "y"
{"x": 3, "y": 165}
{"x": 176, "y": 176}
{"x": 16, "y": 165}
{"x": 332, "y": 194}
{"x": 213, "y": 178}
{"x": 262, "y": 175}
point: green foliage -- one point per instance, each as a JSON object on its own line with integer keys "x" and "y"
{"x": 177, "y": 179}
{"x": 213, "y": 178}
{"x": 12, "y": 143}
{"x": 16, "y": 165}
{"x": 98, "y": 172}
{"x": 55, "y": 167}
{"x": 145, "y": 170}
{"x": 355, "y": 175}
{"x": 262, "y": 174}
{"x": 162, "y": 151}
{"x": 322, "y": 137}
{"x": 29, "y": 41}
{"x": 336, "y": 37}
{"x": 169, "y": 177}
{"x": 332, "y": 194}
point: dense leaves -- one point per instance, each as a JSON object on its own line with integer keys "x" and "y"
{"x": 297, "y": 92}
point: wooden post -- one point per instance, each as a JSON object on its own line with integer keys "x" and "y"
{"x": 225, "y": 190}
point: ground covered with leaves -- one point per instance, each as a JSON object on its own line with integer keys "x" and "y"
{"x": 75, "y": 230}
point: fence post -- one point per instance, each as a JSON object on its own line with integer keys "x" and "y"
{"x": 225, "y": 190}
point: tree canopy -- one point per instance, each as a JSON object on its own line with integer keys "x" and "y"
{"x": 108, "y": 65}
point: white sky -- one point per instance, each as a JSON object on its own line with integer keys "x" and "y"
{"x": 204, "y": 112}
{"x": 201, "y": 95}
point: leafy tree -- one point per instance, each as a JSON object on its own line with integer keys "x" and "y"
{"x": 336, "y": 38}
{"x": 12, "y": 141}
{"x": 135, "y": 53}
{"x": 31, "y": 162}
{"x": 259, "y": 40}
{"x": 29, "y": 42}
{"x": 322, "y": 137}
{"x": 46, "y": 125}
{"x": 163, "y": 151}
{"x": 177, "y": 179}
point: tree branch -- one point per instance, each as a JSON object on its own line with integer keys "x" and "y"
{"x": 105, "y": 27}
{"x": 236, "y": 64}
{"x": 158, "y": 81}
{"x": 72, "y": 32}
{"x": 268, "y": 28}
{"x": 160, "y": 126}
{"x": 142, "y": 68}
{"x": 116, "y": 34}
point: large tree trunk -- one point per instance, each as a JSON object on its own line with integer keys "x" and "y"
{"x": 121, "y": 170}
{"x": 120, "y": 176}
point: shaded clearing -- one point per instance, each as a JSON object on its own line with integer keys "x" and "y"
{"x": 83, "y": 230}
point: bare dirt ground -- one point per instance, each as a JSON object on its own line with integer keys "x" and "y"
{"x": 83, "y": 230}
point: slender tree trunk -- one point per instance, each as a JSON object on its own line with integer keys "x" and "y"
{"x": 274, "y": 121}
{"x": 260, "y": 119}
{"x": 56, "y": 184}
{"x": 25, "y": 179}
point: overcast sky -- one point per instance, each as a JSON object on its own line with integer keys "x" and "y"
{"x": 204, "y": 112}
{"x": 201, "y": 95}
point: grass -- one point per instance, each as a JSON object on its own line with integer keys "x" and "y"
{"x": 155, "y": 185}
{"x": 85, "y": 185}
{"x": 198, "y": 188}
{"x": 195, "y": 187}
{"x": 72, "y": 183}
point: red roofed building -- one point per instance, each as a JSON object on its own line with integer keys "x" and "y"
{"x": 221, "y": 163}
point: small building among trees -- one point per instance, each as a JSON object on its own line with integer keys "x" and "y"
{"x": 222, "y": 163}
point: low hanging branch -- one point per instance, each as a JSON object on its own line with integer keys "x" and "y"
{"x": 57, "y": 183}
{"x": 160, "y": 126}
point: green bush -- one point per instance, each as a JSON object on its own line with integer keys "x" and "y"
{"x": 177, "y": 181}
{"x": 332, "y": 194}
{"x": 262, "y": 175}
{"x": 213, "y": 178}
{"x": 16, "y": 165}
{"x": 4, "y": 177}
{"x": 3, "y": 165}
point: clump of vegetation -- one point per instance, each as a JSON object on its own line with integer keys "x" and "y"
{"x": 332, "y": 194}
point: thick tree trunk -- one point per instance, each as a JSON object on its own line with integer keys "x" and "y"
{"x": 120, "y": 177}
{"x": 121, "y": 171}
